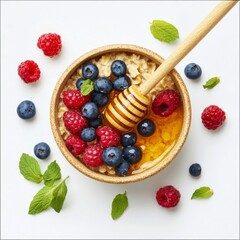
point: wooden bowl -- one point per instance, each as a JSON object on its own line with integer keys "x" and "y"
{"x": 78, "y": 164}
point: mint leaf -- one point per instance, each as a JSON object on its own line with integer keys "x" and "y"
{"x": 87, "y": 87}
{"x": 42, "y": 200}
{"x": 164, "y": 31}
{"x": 119, "y": 205}
{"x": 211, "y": 83}
{"x": 52, "y": 174}
{"x": 30, "y": 169}
{"x": 59, "y": 194}
{"x": 202, "y": 192}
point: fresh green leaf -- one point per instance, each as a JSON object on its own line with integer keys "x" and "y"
{"x": 42, "y": 200}
{"x": 202, "y": 192}
{"x": 119, "y": 205}
{"x": 52, "y": 174}
{"x": 30, "y": 169}
{"x": 164, "y": 31}
{"x": 59, "y": 194}
{"x": 212, "y": 82}
{"x": 87, "y": 87}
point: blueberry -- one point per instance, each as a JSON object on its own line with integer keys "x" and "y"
{"x": 88, "y": 134}
{"x": 100, "y": 99}
{"x": 42, "y": 150}
{"x": 132, "y": 154}
{"x": 90, "y": 110}
{"x": 193, "y": 71}
{"x": 112, "y": 156}
{"x": 26, "y": 109}
{"x": 121, "y": 83}
{"x": 118, "y": 68}
{"x": 79, "y": 83}
{"x": 146, "y": 127}
{"x": 90, "y": 71}
{"x": 96, "y": 122}
{"x": 195, "y": 169}
{"x": 103, "y": 85}
{"x": 123, "y": 168}
{"x": 128, "y": 139}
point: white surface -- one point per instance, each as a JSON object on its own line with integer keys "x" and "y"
{"x": 86, "y": 212}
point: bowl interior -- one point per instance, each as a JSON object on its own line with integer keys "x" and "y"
{"x": 162, "y": 161}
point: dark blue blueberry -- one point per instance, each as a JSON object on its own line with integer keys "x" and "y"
{"x": 146, "y": 127}
{"x": 100, "y": 99}
{"x": 128, "y": 139}
{"x": 103, "y": 85}
{"x": 79, "y": 83}
{"x": 132, "y": 154}
{"x": 96, "y": 122}
{"x": 195, "y": 169}
{"x": 42, "y": 150}
{"x": 123, "y": 168}
{"x": 118, "y": 68}
{"x": 88, "y": 134}
{"x": 112, "y": 156}
{"x": 121, "y": 83}
{"x": 26, "y": 109}
{"x": 193, "y": 71}
{"x": 90, "y": 110}
{"x": 90, "y": 71}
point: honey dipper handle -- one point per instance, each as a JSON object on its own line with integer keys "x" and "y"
{"x": 188, "y": 44}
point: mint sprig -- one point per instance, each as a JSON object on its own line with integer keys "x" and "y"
{"x": 87, "y": 87}
{"x": 212, "y": 82}
{"x": 52, "y": 174}
{"x": 119, "y": 205}
{"x": 202, "y": 192}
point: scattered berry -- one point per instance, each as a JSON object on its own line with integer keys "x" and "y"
{"x": 50, "y": 43}
{"x": 96, "y": 122}
{"x": 166, "y": 102}
{"x": 88, "y": 134}
{"x": 146, "y": 127}
{"x": 132, "y": 154}
{"x": 90, "y": 110}
{"x": 103, "y": 85}
{"x": 121, "y": 83}
{"x": 128, "y": 139}
{"x": 100, "y": 99}
{"x": 93, "y": 155}
{"x": 168, "y": 196}
{"x": 73, "y": 99}
{"x": 193, "y": 71}
{"x": 79, "y": 83}
{"x": 26, "y": 109}
{"x": 123, "y": 168}
{"x": 29, "y": 71}
{"x": 118, "y": 68}
{"x": 74, "y": 121}
{"x": 213, "y": 117}
{"x": 75, "y": 145}
{"x": 42, "y": 150}
{"x": 195, "y": 169}
{"x": 108, "y": 136}
{"x": 90, "y": 71}
{"x": 112, "y": 156}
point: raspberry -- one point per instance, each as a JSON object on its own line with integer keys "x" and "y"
{"x": 73, "y": 99}
{"x": 93, "y": 155}
{"x": 166, "y": 102}
{"x": 75, "y": 145}
{"x": 29, "y": 71}
{"x": 50, "y": 43}
{"x": 108, "y": 136}
{"x": 168, "y": 196}
{"x": 213, "y": 117}
{"x": 74, "y": 121}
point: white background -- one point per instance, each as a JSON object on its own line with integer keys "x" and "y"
{"x": 84, "y": 26}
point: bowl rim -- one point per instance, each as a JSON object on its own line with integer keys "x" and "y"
{"x": 127, "y": 48}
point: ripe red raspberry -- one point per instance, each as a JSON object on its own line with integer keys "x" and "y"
{"x": 213, "y": 117}
{"x": 74, "y": 121}
{"x": 73, "y": 99}
{"x": 166, "y": 102}
{"x": 168, "y": 196}
{"x": 50, "y": 43}
{"x": 75, "y": 145}
{"x": 29, "y": 71}
{"x": 108, "y": 136}
{"x": 93, "y": 155}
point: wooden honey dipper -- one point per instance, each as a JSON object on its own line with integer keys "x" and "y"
{"x": 130, "y": 106}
